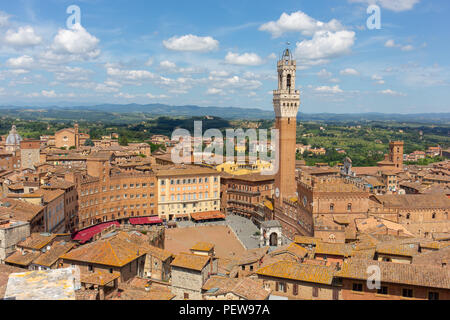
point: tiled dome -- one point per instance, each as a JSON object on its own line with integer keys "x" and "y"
{"x": 13, "y": 137}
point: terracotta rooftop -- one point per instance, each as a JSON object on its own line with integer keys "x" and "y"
{"x": 414, "y": 201}
{"x": 37, "y": 241}
{"x": 396, "y": 249}
{"x": 306, "y": 240}
{"x": 49, "y": 195}
{"x": 23, "y": 260}
{"x": 118, "y": 250}
{"x": 187, "y": 170}
{"x": 51, "y": 256}
{"x": 336, "y": 185}
{"x": 203, "y": 246}
{"x": 335, "y": 249}
{"x": 245, "y": 288}
{"x": 161, "y": 254}
{"x": 254, "y": 177}
{"x": 100, "y": 278}
{"x": 438, "y": 258}
{"x": 300, "y": 272}
{"x": 292, "y": 248}
{"x": 135, "y": 290}
{"x": 252, "y": 255}
{"x": 190, "y": 261}
{"x": 409, "y": 274}
{"x": 363, "y": 171}
{"x": 58, "y": 184}
{"x": 21, "y": 210}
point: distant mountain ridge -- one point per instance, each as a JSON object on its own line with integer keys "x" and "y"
{"x": 234, "y": 113}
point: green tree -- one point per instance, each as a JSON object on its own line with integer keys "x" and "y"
{"x": 89, "y": 143}
{"x": 123, "y": 141}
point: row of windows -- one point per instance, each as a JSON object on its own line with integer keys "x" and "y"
{"x": 118, "y": 209}
{"x": 117, "y": 187}
{"x": 188, "y": 181}
{"x": 406, "y": 292}
{"x": 282, "y": 287}
{"x": 248, "y": 188}
{"x": 349, "y": 207}
{"x": 194, "y": 188}
{"x": 185, "y": 205}
{"x": 433, "y": 216}
{"x": 116, "y": 198}
{"x": 188, "y": 197}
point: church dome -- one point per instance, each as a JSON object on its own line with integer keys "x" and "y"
{"x": 13, "y": 138}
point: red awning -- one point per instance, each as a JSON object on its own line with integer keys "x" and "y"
{"x": 145, "y": 220}
{"x": 87, "y": 234}
{"x": 210, "y": 215}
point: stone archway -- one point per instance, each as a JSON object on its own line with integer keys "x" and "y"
{"x": 273, "y": 239}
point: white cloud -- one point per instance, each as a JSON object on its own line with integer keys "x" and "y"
{"x": 4, "y": 19}
{"x": 408, "y": 48}
{"x": 133, "y": 75}
{"x": 299, "y": 22}
{"x": 49, "y": 94}
{"x": 325, "y": 45}
{"x": 219, "y": 73}
{"x": 105, "y": 88}
{"x": 214, "y": 91}
{"x": 378, "y": 79}
{"x": 24, "y": 37}
{"x": 168, "y": 64}
{"x": 233, "y": 82}
{"x": 246, "y": 59}
{"x": 22, "y": 62}
{"x": 390, "y": 44}
{"x": 392, "y": 93}
{"x": 151, "y": 96}
{"x": 191, "y": 43}
{"x": 67, "y": 73}
{"x": 324, "y": 74}
{"x": 149, "y": 62}
{"x": 393, "y": 5}
{"x": 327, "y": 89}
{"x": 19, "y": 71}
{"x": 77, "y": 42}
{"x": 125, "y": 95}
{"x": 349, "y": 72}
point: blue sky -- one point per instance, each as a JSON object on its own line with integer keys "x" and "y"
{"x": 224, "y": 53}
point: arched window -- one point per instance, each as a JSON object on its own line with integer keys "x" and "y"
{"x": 349, "y": 207}
{"x": 332, "y": 238}
{"x": 434, "y": 215}
{"x": 289, "y": 77}
{"x": 408, "y": 216}
{"x": 332, "y": 207}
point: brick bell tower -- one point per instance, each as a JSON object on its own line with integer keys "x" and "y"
{"x": 286, "y": 102}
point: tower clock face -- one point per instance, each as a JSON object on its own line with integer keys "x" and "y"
{"x": 277, "y": 192}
